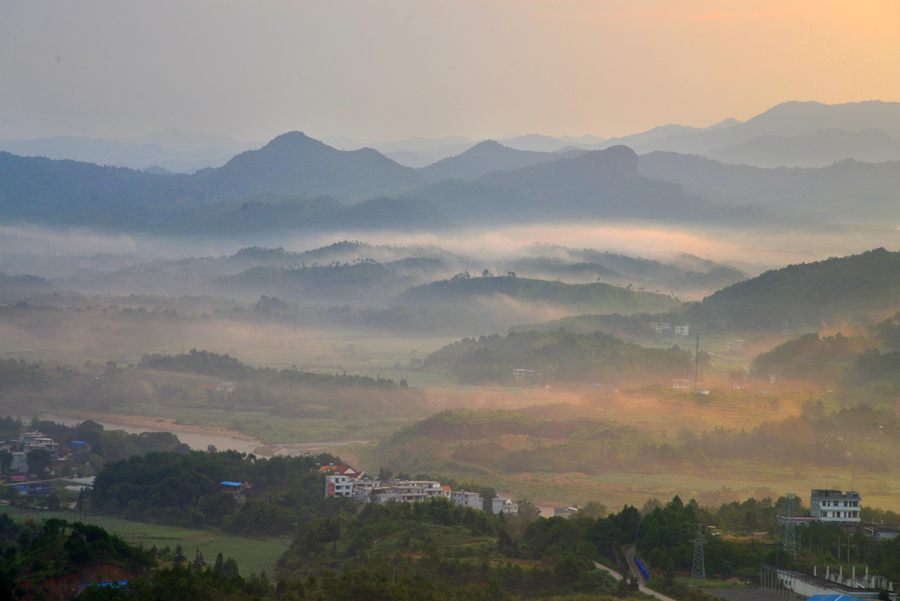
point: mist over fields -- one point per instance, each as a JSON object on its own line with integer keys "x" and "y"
{"x": 707, "y": 314}
{"x": 449, "y": 301}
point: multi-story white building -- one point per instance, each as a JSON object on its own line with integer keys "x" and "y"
{"x": 834, "y": 505}
{"x": 37, "y": 440}
{"x": 467, "y": 499}
{"x": 338, "y": 486}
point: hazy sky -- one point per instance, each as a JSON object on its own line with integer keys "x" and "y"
{"x": 377, "y": 70}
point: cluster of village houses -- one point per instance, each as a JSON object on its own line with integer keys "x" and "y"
{"x": 31, "y": 441}
{"x": 344, "y": 481}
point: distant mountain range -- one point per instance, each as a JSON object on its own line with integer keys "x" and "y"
{"x": 298, "y": 183}
{"x": 602, "y": 184}
{"x": 788, "y": 120}
{"x": 847, "y": 191}
{"x": 173, "y": 150}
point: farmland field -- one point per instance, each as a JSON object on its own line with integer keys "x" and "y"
{"x": 253, "y": 555}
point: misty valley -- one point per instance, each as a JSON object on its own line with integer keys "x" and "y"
{"x": 480, "y": 372}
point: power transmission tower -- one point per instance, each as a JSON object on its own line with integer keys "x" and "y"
{"x": 698, "y": 570}
{"x": 788, "y": 537}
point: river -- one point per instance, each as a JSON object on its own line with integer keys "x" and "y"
{"x": 196, "y": 440}
{"x": 200, "y": 441}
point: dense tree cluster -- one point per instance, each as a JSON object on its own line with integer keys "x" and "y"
{"x": 36, "y": 555}
{"x": 184, "y": 489}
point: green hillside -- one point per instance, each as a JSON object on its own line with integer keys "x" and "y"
{"x": 589, "y": 298}
{"x": 559, "y": 356}
{"x": 858, "y": 288}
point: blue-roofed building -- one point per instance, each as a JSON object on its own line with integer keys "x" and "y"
{"x": 834, "y": 597}
{"x": 237, "y": 489}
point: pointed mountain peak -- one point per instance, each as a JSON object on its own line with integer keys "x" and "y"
{"x": 293, "y": 139}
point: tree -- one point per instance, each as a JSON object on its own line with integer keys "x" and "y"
{"x": 487, "y": 498}
{"x": 527, "y": 511}
{"x": 52, "y": 502}
{"x": 39, "y": 461}
{"x": 5, "y": 461}
{"x": 650, "y": 505}
{"x": 199, "y": 563}
{"x": 593, "y": 509}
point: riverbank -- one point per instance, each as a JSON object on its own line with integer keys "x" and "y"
{"x": 195, "y": 436}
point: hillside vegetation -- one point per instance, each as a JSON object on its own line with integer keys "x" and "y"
{"x": 858, "y": 288}
{"x": 594, "y": 298}
{"x": 560, "y": 357}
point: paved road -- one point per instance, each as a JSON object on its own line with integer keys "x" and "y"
{"x": 611, "y": 572}
{"x": 630, "y": 557}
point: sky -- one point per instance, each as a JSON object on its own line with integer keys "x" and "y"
{"x": 380, "y": 70}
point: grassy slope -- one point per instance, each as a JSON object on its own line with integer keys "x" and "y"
{"x": 252, "y": 555}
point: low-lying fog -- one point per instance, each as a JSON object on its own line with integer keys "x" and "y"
{"x": 26, "y": 249}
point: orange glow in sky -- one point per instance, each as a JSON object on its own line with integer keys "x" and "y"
{"x": 391, "y": 69}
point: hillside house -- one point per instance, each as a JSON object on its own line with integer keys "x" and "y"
{"x": 835, "y": 506}
{"x": 238, "y": 490}
{"x": 37, "y": 440}
{"x": 340, "y": 470}
{"x": 409, "y": 491}
{"x": 337, "y": 485}
{"x": 504, "y": 505}
{"x": 465, "y": 498}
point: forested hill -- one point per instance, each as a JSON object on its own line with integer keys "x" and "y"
{"x": 560, "y": 357}
{"x": 860, "y": 288}
{"x": 589, "y": 298}
{"x": 39, "y": 190}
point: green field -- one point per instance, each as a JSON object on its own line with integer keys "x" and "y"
{"x": 253, "y": 555}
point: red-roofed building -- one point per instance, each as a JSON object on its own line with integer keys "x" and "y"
{"x": 340, "y": 470}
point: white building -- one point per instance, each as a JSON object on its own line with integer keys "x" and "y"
{"x": 19, "y": 463}
{"x": 37, "y": 440}
{"x": 362, "y": 489}
{"x": 467, "y": 499}
{"x": 834, "y": 505}
{"x": 564, "y": 512}
{"x": 504, "y": 505}
{"x": 409, "y": 491}
{"x": 338, "y": 486}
